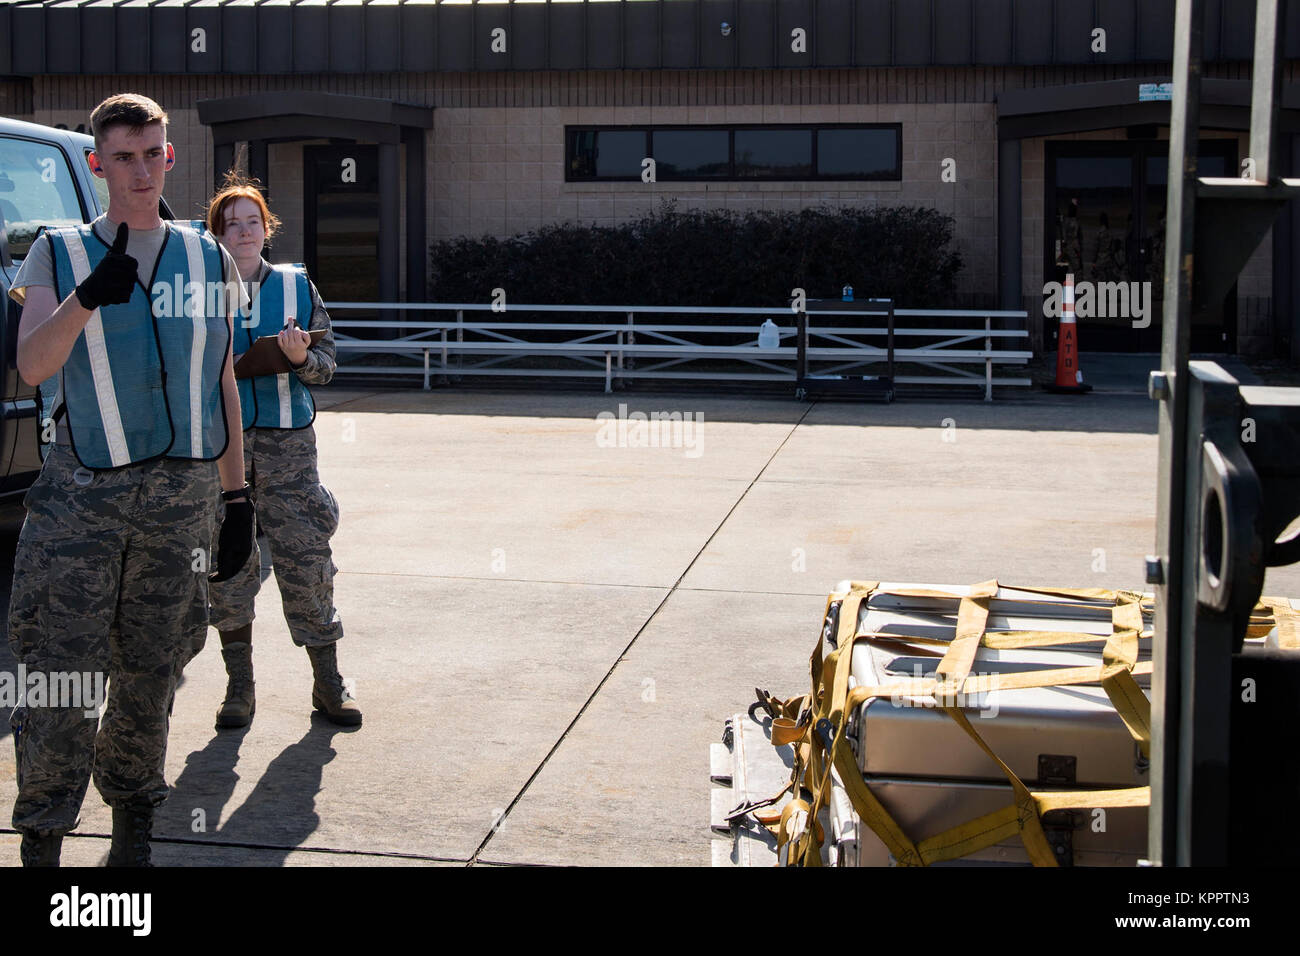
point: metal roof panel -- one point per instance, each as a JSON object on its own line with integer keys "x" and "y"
{"x": 249, "y": 37}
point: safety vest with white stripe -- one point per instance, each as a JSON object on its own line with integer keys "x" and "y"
{"x": 276, "y": 401}
{"x": 144, "y": 382}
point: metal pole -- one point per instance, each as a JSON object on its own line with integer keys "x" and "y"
{"x": 1266, "y": 89}
{"x": 801, "y": 352}
{"x": 1167, "y": 569}
{"x": 417, "y": 285}
{"x": 1009, "y": 225}
{"x": 223, "y": 157}
{"x": 988, "y": 360}
{"x": 390, "y": 224}
{"x": 460, "y": 337}
{"x": 890, "y": 342}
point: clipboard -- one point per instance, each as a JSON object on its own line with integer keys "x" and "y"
{"x": 264, "y": 356}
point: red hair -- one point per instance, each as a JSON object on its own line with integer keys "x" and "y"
{"x": 236, "y": 187}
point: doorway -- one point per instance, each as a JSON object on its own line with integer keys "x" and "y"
{"x": 341, "y": 221}
{"x": 1105, "y": 204}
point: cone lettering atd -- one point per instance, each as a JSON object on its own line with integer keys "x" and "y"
{"x": 1069, "y": 376}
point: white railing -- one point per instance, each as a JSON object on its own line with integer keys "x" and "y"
{"x": 634, "y": 348}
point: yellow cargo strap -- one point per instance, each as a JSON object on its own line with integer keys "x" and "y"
{"x": 1120, "y": 657}
{"x": 1022, "y": 818}
{"x": 1006, "y": 641}
{"x": 830, "y": 702}
{"x": 804, "y": 721}
{"x": 972, "y": 618}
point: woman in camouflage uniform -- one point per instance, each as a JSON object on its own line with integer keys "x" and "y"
{"x": 297, "y": 513}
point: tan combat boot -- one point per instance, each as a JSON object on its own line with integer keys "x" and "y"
{"x": 239, "y": 706}
{"x": 328, "y": 694}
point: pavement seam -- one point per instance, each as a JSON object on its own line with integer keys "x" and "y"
{"x": 274, "y": 847}
{"x": 500, "y": 580}
{"x": 349, "y": 401}
{"x": 579, "y": 584}
{"x": 474, "y": 858}
{"x": 820, "y": 595}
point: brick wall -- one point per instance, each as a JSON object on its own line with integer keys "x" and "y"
{"x": 501, "y": 171}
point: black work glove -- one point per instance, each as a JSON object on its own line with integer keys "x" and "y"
{"x": 236, "y": 541}
{"x": 113, "y": 279}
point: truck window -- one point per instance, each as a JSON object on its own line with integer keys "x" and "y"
{"x": 36, "y": 189}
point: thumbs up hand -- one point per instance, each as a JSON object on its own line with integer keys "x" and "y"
{"x": 113, "y": 279}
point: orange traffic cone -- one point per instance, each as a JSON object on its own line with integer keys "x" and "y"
{"x": 1069, "y": 377}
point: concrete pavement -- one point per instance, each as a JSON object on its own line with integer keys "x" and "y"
{"x": 546, "y": 634}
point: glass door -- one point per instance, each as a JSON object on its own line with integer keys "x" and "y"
{"x": 342, "y": 221}
{"x": 1106, "y": 224}
{"x": 1091, "y": 226}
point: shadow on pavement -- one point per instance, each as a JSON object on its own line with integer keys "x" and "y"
{"x": 278, "y": 815}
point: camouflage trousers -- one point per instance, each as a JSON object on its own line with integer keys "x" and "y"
{"x": 110, "y": 576}
{"x": 298, "y": 515}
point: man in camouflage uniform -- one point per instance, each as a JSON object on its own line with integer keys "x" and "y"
{"x": 69, "y": 580}
{"x": 295, "y": 511}
{"x": 111, "y": 568}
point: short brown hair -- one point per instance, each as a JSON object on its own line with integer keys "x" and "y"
{"x": 125, "y": 109}
{"x": 235, "y": 187}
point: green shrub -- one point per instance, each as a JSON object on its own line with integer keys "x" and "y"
{"x": 710, "y": 258}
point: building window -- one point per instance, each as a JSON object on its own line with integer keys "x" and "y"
{"x": 859, "y": 153}
{"x": 703, "y": 153}
{"x": 683, "y": 155}
{"x": 774, "y": 153}
{"x": 606, "y": 154}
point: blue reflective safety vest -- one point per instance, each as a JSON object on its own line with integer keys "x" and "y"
{"x": 276, "y": 401}
{"x": 143, "y": 380}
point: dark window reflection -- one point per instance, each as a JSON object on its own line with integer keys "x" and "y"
{"x": 853, "y": 153}
{"x": 606, "y": 153}
{"x": 691, "y": 153}
{"x": 774, "y": 153}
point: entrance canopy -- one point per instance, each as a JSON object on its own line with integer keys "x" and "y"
{"x": 1132, "y": 104}
{"x": 286, "y": 116}
{"x": 1084, "y": 107}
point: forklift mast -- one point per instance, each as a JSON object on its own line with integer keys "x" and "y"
{"x": 1224, "y": 714}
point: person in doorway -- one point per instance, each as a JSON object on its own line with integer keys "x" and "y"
{"x": 296, "y": 512}
{"x": 1106, "y": 266}
{"x": 111, "y": 571}
{"x": 1072, "y": 240}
